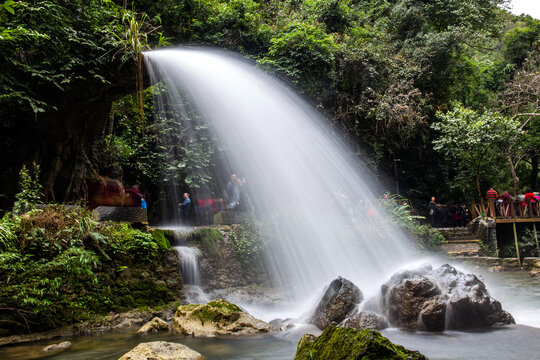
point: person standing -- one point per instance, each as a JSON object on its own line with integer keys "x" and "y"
{"x": 432, "y": 211}
{"x": 491, "y": 197}
{"x": 184, "y": 208}
{"x": 232, "y": 193}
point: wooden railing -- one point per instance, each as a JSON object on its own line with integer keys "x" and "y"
{"x": 506, "y": 210}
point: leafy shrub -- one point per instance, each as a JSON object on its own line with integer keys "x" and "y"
{"x": 161, "y": 240}
{"x": 426, "y": 238}
{"x": 249, "y": 241}
{"x": 58, "y": 266}
{"x": 141, "y": 246}
{"x": 302, "y": 52}
{"x": 30, "y": 189}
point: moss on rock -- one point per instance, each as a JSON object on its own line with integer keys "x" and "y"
{"x": 214, "y": 311}
{"x": 218, "y": 317}
{"x": 208, "y": 238}
{"x": 337, "y": 343}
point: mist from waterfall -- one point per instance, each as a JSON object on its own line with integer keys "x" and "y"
{"x": 321, "y": 202}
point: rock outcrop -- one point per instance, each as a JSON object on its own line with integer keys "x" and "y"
{"x": 337, "y": 343}
{"x": 218, "y": 317}
{"x": 162, "y": 350}
{"x": 58, "y": 347}
{"x": 441, "y": 299}
{"x": 339, "y": 300}
{"x": 366, "y": 320}
{"x": 535, "y": 271}
{"x": 154, "y": 326}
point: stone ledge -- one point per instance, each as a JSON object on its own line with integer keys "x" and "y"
{"x": 507, "y": 264}
{"x": 120, "y": 214}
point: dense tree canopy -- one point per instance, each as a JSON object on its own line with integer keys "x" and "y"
{"x": 384, "y": 71}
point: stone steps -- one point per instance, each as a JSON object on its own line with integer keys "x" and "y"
{"x": 463, "y": 241}
{"x": 460, "y": 242}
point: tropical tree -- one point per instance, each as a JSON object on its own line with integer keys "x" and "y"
{"x": 473, "y": 141}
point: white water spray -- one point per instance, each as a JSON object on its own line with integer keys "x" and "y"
{"x": 321, "y": 202}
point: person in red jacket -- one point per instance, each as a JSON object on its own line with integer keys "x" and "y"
{"x": 492, "y": 194}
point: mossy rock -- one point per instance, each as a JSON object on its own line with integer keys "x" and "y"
{"x": 214, "y": 311}
{"x": 339, "y": 343}
{"x": 209, "y": 239}
{"x": 218, "y": 317}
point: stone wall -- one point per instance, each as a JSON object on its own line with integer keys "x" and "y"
{"x": 485, "y": 230}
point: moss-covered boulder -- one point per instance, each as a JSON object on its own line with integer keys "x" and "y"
{"x": 339, "y": 343}
{"x": 218, "y": 317}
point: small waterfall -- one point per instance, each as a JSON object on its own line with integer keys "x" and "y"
{"x": 189, "y": 264}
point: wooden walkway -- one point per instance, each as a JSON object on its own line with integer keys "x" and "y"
{"x": 508, "y": 211}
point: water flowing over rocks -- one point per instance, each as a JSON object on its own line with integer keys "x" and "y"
{"x": 154, "y": 326}
{"x": 440, "y": 299}
{"x": 340, "y": 299}
{"x": 218, "y": 317}
{"x": 337, "y": 342}
{"x": 366, "y": 320}
{"x": 162, "y": 350}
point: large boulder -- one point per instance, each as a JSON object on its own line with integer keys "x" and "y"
{"x": 218, "y": 317}
{"x": 339, "y": 300}
{"x": 444, "y": 298}
{"x": 338, "y": 343}
{"x": 366, "y": 320}
{"x": 162, "y": 350}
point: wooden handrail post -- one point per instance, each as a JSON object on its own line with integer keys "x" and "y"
{"x": 491, "y": 205}
{"x": 516, "y": 241}
{"x": 536, "y": 238}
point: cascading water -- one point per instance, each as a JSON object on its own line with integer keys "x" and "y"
{"x": 189, "y": 264}
{"x": 320, "y": 201}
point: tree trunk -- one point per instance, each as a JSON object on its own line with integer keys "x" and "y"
{"x": 534, "y": 172}
{"x": 478, "y": 185}
{"x": 513, "y": 172}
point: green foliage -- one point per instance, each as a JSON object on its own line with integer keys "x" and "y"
{"x": 473, "y": 141}
{"x": 141, "y": 246}
{"x": 209, "y": 239}
{"x": 425, "y": 237}
{"x": 161, "y": 239}
{"x": 8, "y": 227}
{"x": 50, "y": 46}
{"x": 249, "y": 241}
{"x": 30, "y": 189}
{"x": 527, "y": 245}
{"x": 302, "y": 51}
{"x": 58, "y": 266}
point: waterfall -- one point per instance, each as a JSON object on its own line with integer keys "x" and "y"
{"x": 320, "y": 201}
{"x": 189, "y": 264}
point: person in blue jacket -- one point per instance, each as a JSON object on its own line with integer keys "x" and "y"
{"x": 184, "y": 208}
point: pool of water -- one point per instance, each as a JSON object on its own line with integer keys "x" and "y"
{"x": 518, "y": 293}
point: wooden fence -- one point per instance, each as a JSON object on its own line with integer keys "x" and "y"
{"x": 507, "y": 210}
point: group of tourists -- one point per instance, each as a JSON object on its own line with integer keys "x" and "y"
{"x": 459, "y": 216}
{"x": 503, "y": 202}
{"x": 235, "y": 198}
{"x": 447, "y": 215}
